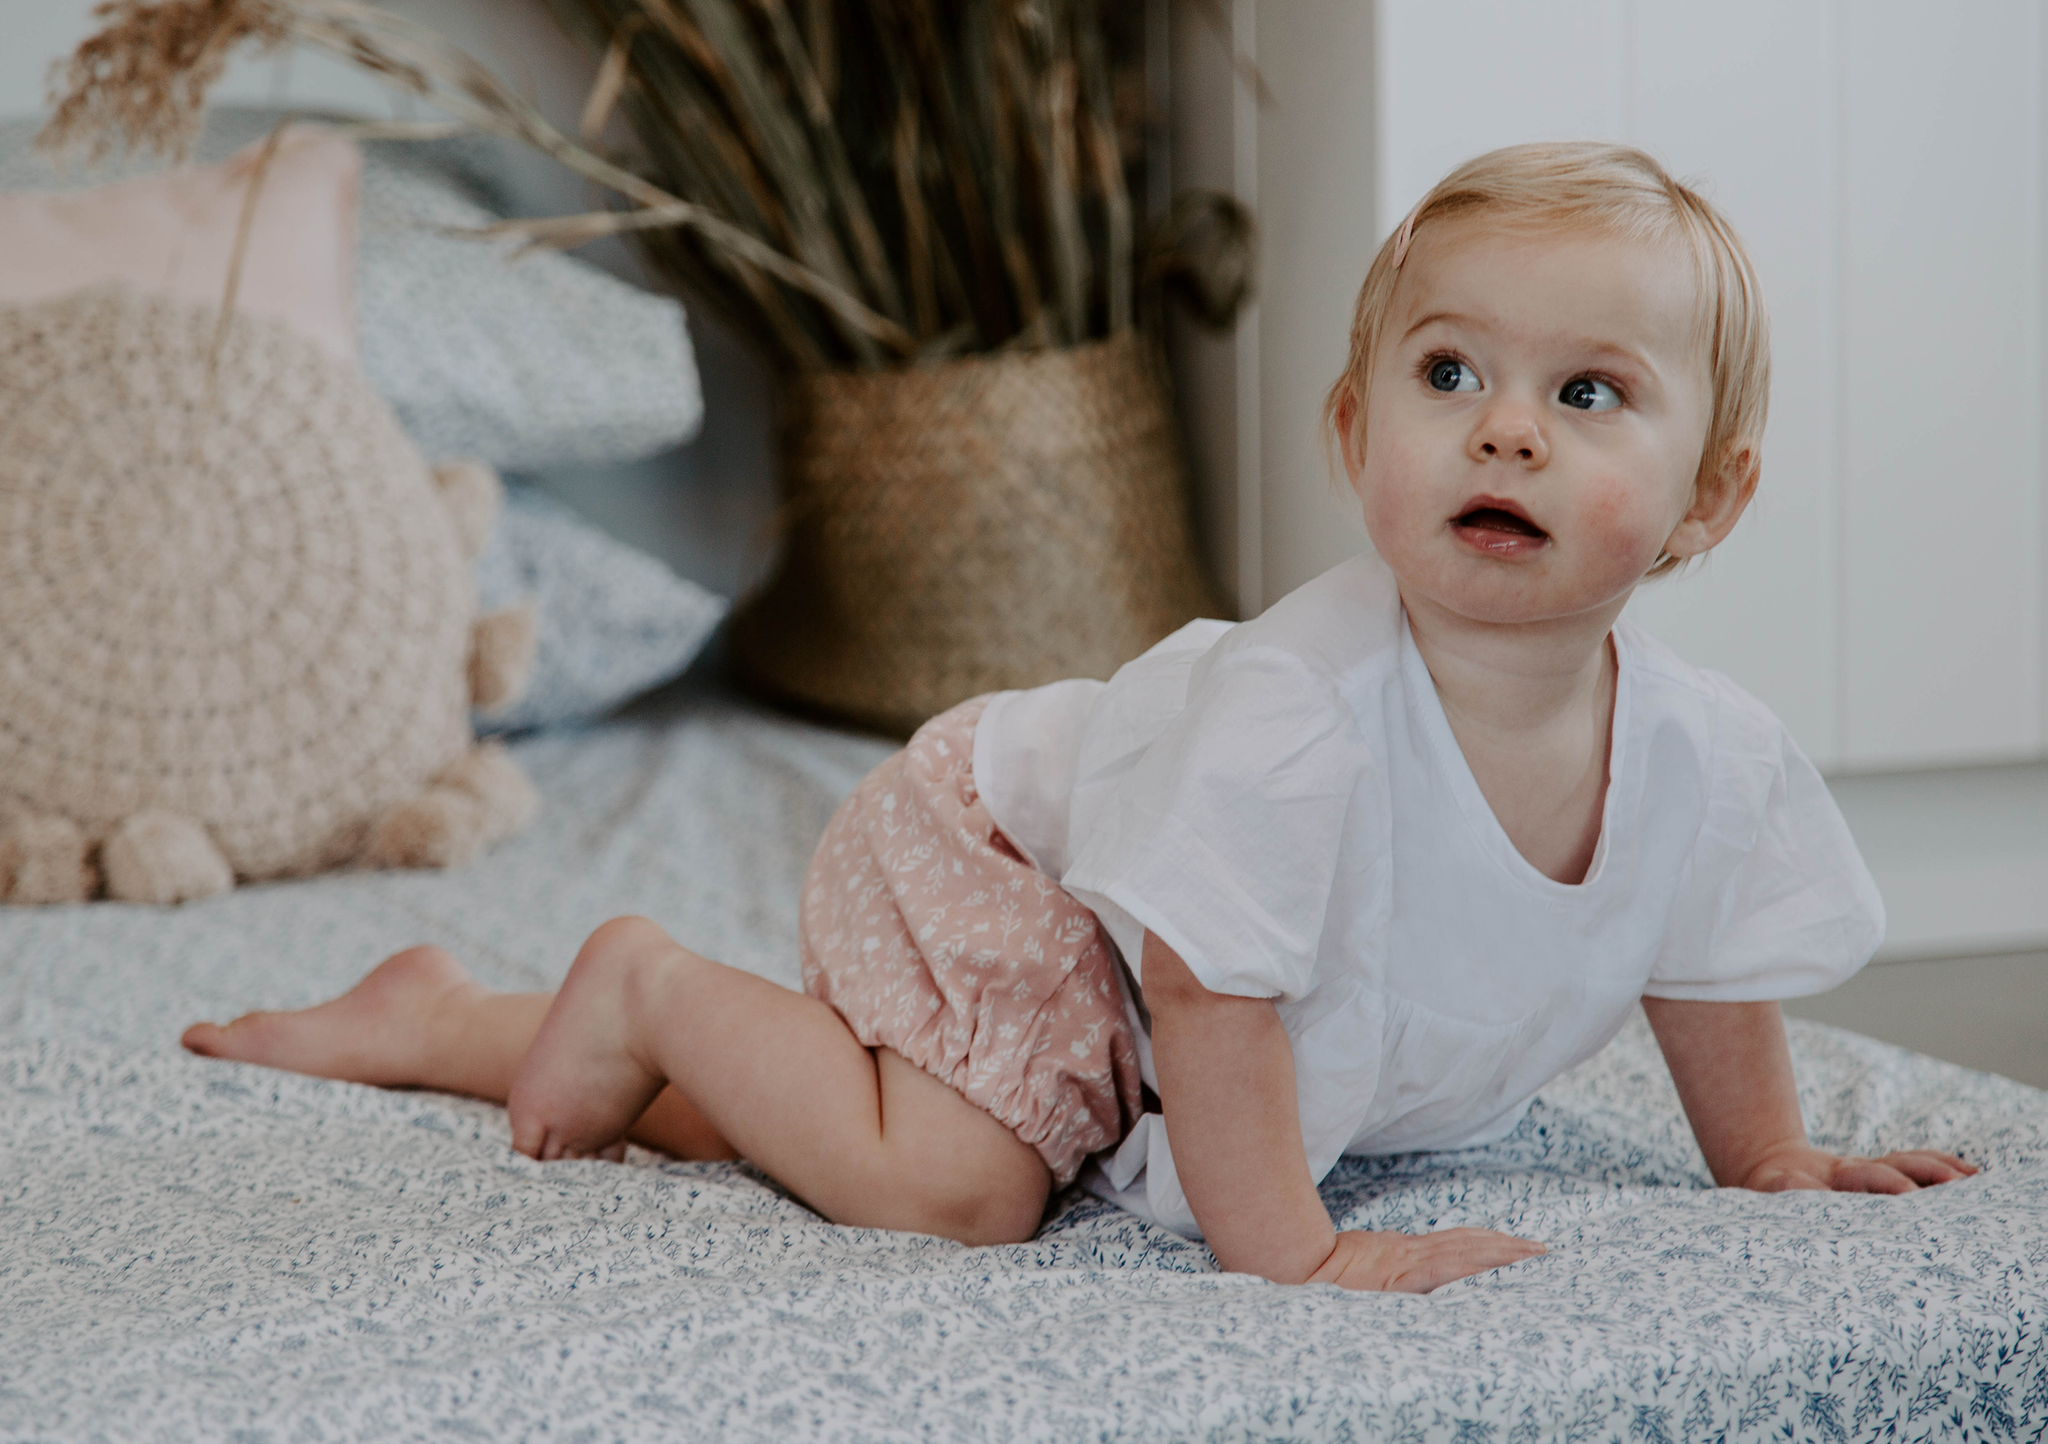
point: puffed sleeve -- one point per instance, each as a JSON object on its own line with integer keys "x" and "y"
{"x": 1225, "y": 836}
{"x": 1776, "y": 901}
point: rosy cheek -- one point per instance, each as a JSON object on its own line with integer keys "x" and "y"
{"x": 1382, "y": 509}
{"x": 1616, "y": 519}
{"x": 1389, "y": 483}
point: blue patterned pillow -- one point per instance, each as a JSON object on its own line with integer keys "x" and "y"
{"x": 530, "y": 362}
{"x": 612, "y": 621}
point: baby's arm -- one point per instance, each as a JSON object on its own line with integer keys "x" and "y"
{"x": 1226, "y": 1084}
{"x": 1734, "y": 1076}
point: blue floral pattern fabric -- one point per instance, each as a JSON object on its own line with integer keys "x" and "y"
{"x": 190, "y": 1249}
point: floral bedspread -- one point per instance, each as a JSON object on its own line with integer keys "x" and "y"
{"x": 191, "y": 1249}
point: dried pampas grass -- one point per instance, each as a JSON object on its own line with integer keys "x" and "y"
{"x": 143, "y": 77}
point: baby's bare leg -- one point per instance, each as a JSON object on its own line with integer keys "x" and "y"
{"x": 418, "y": 1020}
{"x": 864, "y": 1137}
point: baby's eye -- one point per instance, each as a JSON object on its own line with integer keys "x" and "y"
{"x": 1449, "y": 374}
{"x": 1588, "y": 394}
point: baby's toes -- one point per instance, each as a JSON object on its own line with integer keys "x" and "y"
{"x": 251, "y": 1038}
{"x": 546, "y": 1127}
{"x": 530, "y": 1133}
{"x": 205, "y": 1039}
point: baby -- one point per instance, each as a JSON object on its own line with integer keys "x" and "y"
{"x": 1359, "y": 876}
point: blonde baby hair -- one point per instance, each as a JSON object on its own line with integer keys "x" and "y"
{"x": 1616, "y": 190}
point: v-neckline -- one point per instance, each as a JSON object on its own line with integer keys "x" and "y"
{"x": 1464, "y": 785}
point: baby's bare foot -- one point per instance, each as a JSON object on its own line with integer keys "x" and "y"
{"x": 377, "y": 1032}
{"x": 581, "y": 1086}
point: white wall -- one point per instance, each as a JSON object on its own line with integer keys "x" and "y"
{"x": 1303, "y": 159}
{"x": 1318, "y": 170}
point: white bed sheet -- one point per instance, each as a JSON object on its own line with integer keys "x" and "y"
{"x": 191, "y": 1249}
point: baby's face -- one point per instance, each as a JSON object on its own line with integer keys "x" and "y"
{"x": 1534, "y": 420}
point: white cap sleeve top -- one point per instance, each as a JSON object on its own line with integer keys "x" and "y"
{"x": 1284, "y": 804}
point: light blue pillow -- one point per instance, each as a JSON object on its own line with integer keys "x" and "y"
{"x": 612, "y": 621}
{"x": 530, "y": 362}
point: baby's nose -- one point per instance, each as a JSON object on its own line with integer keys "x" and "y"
{"x": 1509, "y": 431}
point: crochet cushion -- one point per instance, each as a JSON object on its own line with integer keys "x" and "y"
{"x": 237, "y": 612}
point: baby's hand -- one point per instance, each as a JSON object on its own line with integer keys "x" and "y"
{"x": 1415, "y": 1263}
{"x": 1801, "y": 1165}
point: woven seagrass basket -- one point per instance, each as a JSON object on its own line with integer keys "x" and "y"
{"x": 992, "y": 522}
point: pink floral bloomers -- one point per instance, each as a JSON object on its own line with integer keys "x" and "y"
{"x": 931, "y": 935}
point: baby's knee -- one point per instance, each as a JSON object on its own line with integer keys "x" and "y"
{"x": 979, "y": 1220}
{"x": 978, "y": 1206}
{"x": 1002, "y": 1218}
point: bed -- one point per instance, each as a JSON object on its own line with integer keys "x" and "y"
{"x": 196, "y": 1249}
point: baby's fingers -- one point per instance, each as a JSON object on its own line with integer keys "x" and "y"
{"x": 1435, "y": 1259}
{"x": 1871, "y": 1175}
{"x": 1925, "y": 1166}
{"x": 1900, "y": 1172}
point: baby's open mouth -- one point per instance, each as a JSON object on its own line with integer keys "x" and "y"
{"x": 1493, "y": 519}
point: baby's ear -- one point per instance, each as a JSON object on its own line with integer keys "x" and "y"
{"x": 1719, "y": 497}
